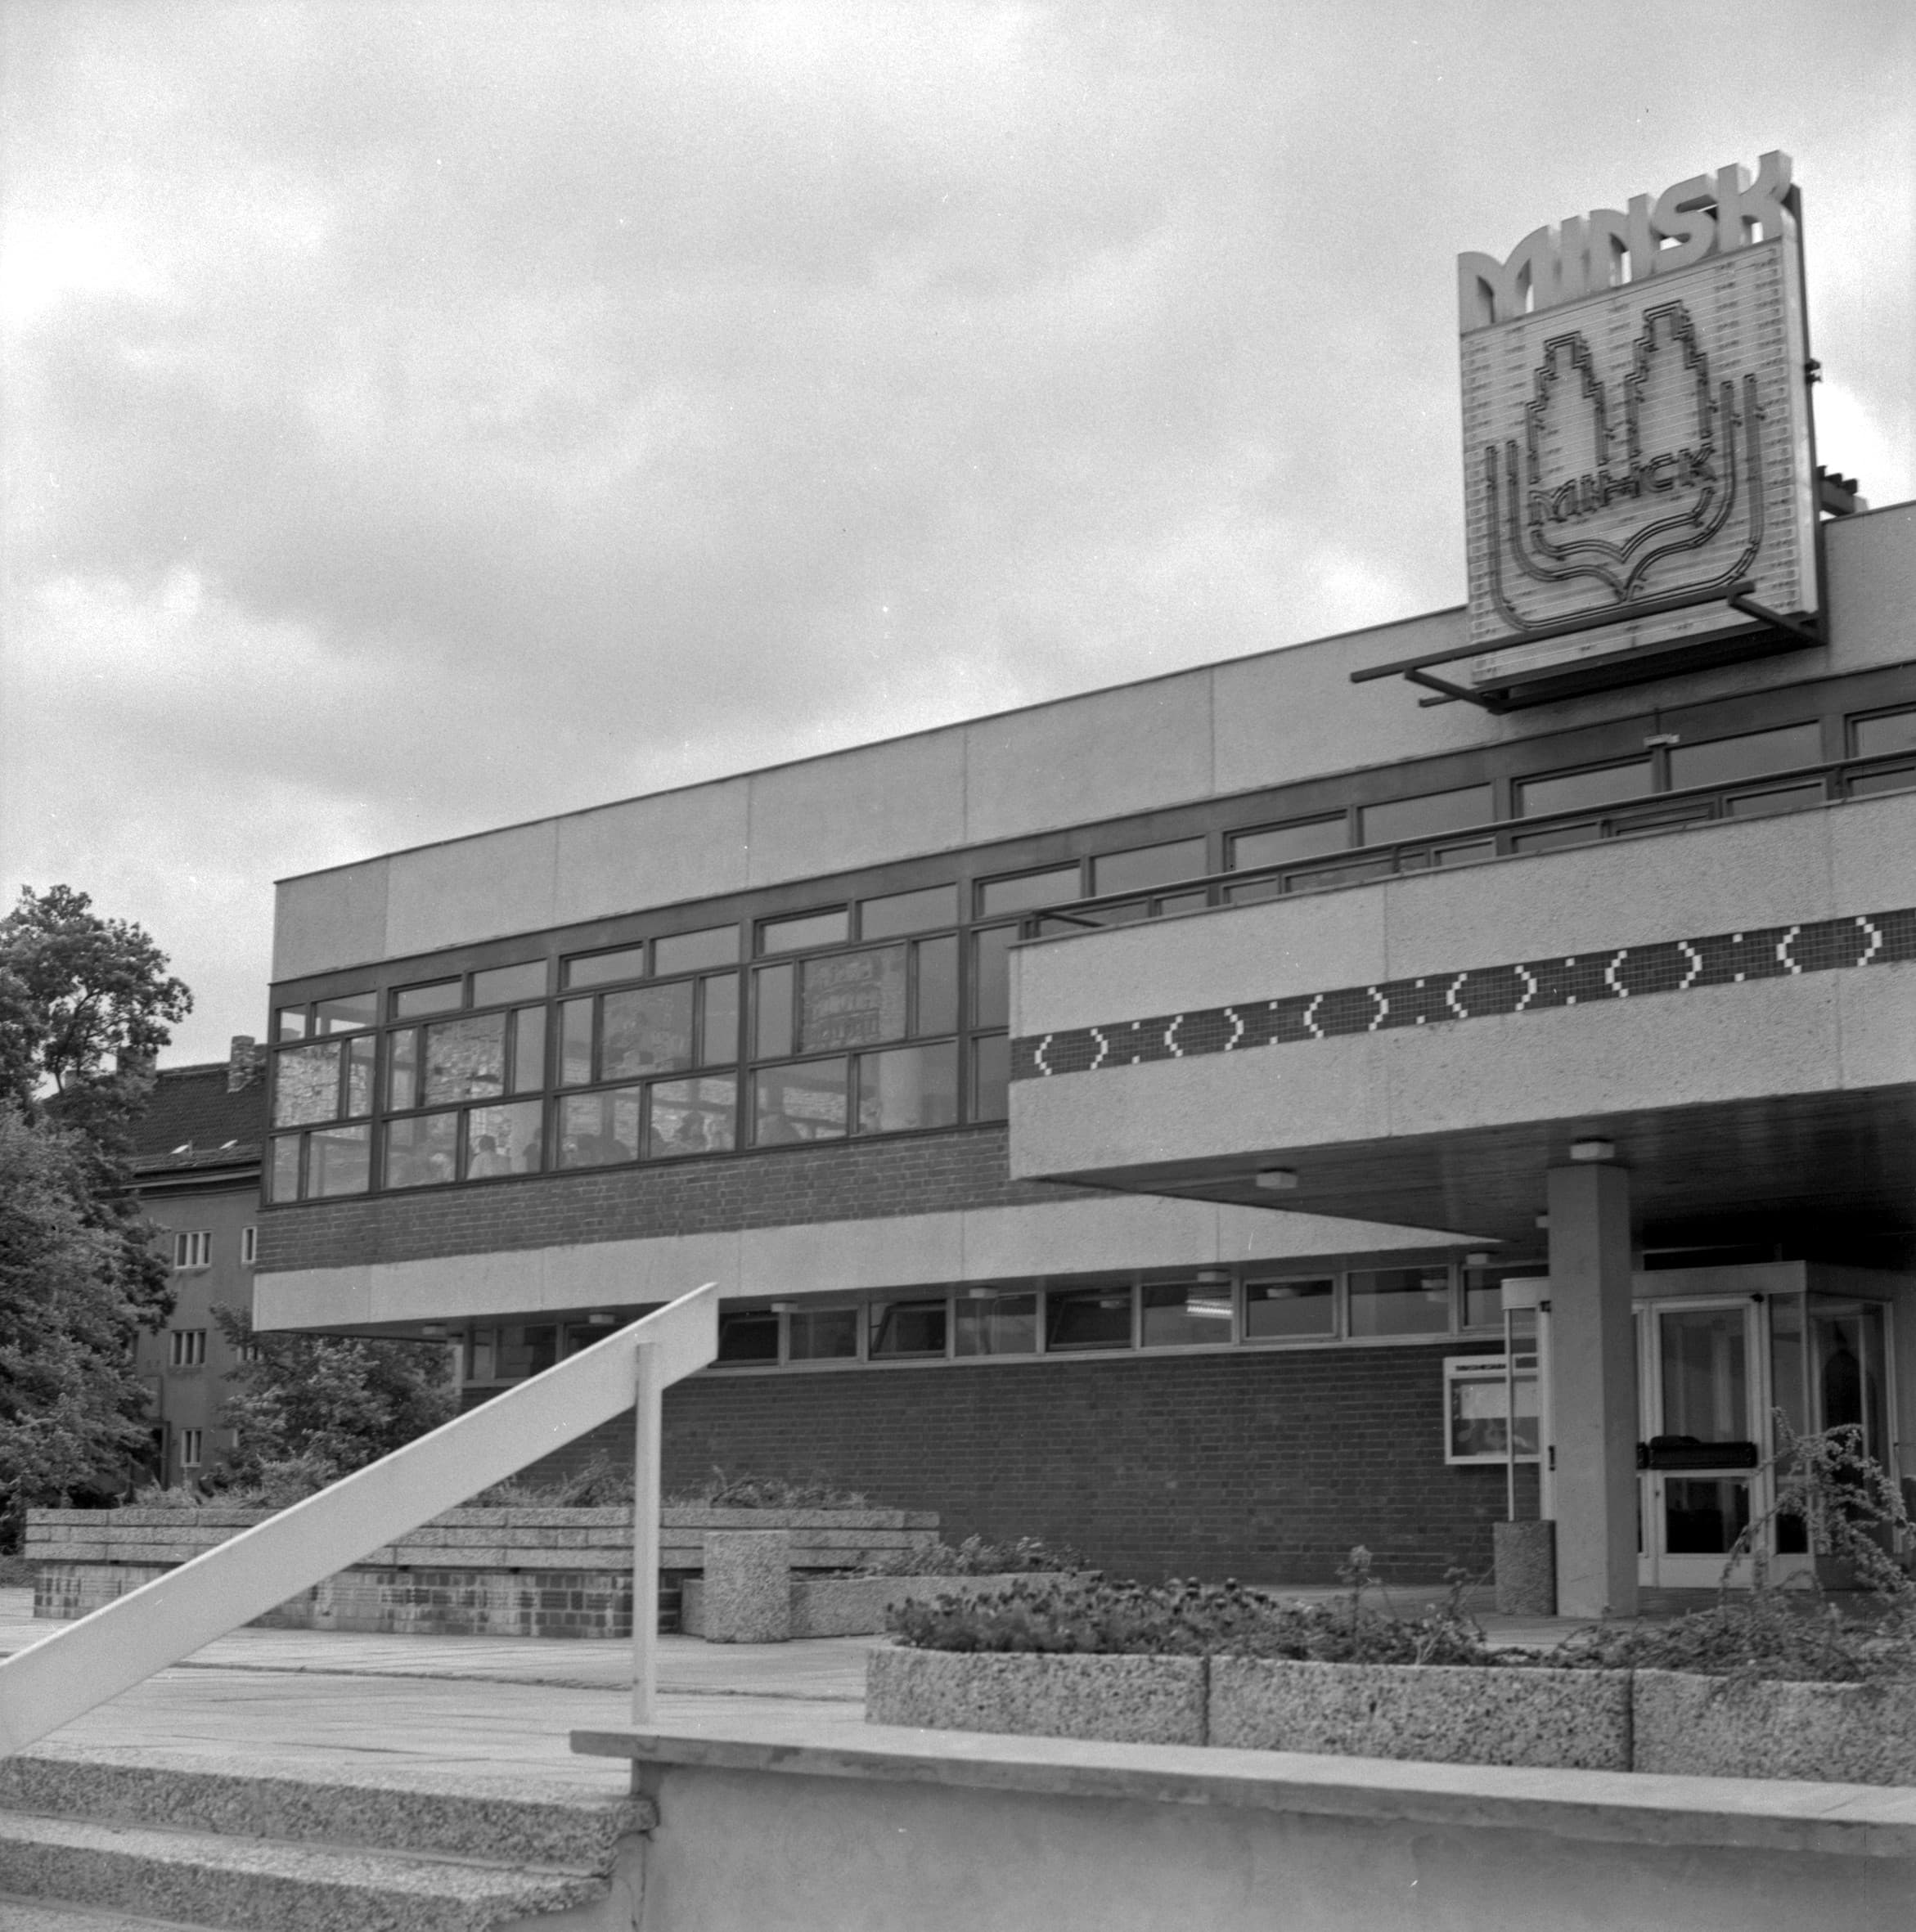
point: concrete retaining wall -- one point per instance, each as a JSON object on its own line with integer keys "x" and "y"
{"x": 564, "y": 1573}
{"x": 839, "y": 1828}
{"x": 855, "y": 1606}
{"x": 1653, "y": 1721}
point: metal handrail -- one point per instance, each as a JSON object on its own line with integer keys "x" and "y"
{"x": 83, "y": 1664}
{"x": 1082, "y": 911}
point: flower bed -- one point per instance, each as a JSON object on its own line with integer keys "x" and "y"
{"x": 853, "y": 1606}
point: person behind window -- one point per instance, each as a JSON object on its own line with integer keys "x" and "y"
{"x": 486, "y": 1159}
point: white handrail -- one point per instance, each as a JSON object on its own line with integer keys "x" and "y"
{"x": 119, "y": 1645}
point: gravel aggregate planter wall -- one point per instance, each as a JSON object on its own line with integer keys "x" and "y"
{"x": 1653, "y": 1720}
{"x": 1713, "y": 1727}
{"x": 855, "y": 1606}
{"x": 1121, "y": 1700}
{"x": 1435, "y": 1713}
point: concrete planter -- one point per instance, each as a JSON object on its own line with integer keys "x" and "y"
{"x": 1435, "y": 1714}
{"x": 1714, "y": 1727}
{"x": 530, "y": 1572}
{"x": 855, "y": 1606}
{"x": 1121, "y": 1700}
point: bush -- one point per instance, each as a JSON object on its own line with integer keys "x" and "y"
{"x": 975, "y": 1557}
{"x": 721, "y": 1491}
{"x": 1095, "y": 1616}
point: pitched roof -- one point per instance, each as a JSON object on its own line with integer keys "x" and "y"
{"x": 191, "y": 1120}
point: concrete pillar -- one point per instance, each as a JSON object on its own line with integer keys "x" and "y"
{"x": 1593, "y": 1390}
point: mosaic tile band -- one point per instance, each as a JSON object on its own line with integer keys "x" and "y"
{"x": 1484, "y": 992}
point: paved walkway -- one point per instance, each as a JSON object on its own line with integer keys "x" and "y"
{"x": 480, "y": 1706}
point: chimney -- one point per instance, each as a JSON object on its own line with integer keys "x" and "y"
{"x": 245, "y": 1061}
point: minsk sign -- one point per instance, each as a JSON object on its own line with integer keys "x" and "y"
{"x": 1638, "y": 473}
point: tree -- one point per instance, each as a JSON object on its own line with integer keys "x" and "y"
{"x": 72, "y": 1413}
{"x": 85, "y": 1006}
{"x": 309, "y": 1408}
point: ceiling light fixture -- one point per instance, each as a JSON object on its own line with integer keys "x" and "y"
{"x": 1593, "y": 1150}
{"x": 1277, "y": 1180}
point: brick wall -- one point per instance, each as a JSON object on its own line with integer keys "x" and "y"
{"x": 855, "y": 1180}
{"x": 1267, "y": 1466}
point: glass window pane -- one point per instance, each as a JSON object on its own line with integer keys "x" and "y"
{"x": 1571, "y": 791}
{"x": 1423, "y": 816}
{"x": 1759, "y": 805}
{"x": 502, "y": 1140}
{"x": 1051, "y": 888}
{"x": 1704, "y": 1515}
{"x": 286, "y": 1168}
{"x": 1290, "y": 1310}
{"x": 1147, "y": 865}
{"x": 359, "y": 1064}
{"x": 1004, "y": 1325}
{"x": 500, "y": 983}
{"x": 1474, "y": 853}
{"x": 1307, "y": 838}
{"x": 772, "y": 1016}
{"x": 1087, "y": 1317}
{"x": 420, "y": 1151}
{"x": 599, "y": 1130}
{"x": 803, "y": 1103}
{"x": 528, "y": 1350}
{"x": 916, "y": 1087}
{"x": 402, "y": 1068}
{"x": 1183, "y": 902}
{"x": 718, "y": 1023}
{"x": 1177, "y": 1315}
{"x": 1705, "y": 1373}
{"x": 908, "y": 912}
{"x": 409, "y": 1002}
{"x": 1753, "y": 754}
{"x": 822, "y": 1335}
{"x": 748, "y": 1335}
{"x": 851, "y": 999}
{"x": 529, "y": 1050}
{"x": 290, "y": 1023}
{"x": 804, "y": 930}
{"x": 598, "y": 969}
{"x": 695, "y": 1117}
{"x": 1323, "y": 878}
{"x": 1894, "y": 731}
{"x": 687, "y": 952}
{"x": 1868, "y": 785}
{"x": 465, "y": 1059}
{"x": 1250, "y": 895}
{"x": 575, "y": 1042}
{"x": 646, "y": 1030}
{"x": 937, "y": 984}
{"x": 339, "y": 1160}
{"x": 306, "y": 1086}
{"x": 1558, "y": 837}
{"x": 991, "y": 975}
{"x": 908, "y": 1329}
{"x": 345, "y": 1012}
{"x": 1401, "y": 1301}
{"x": 991, "y": 1077}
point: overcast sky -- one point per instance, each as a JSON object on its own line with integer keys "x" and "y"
{"x": 420, "y": 418}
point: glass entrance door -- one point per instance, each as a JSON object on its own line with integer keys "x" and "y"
{"x": 1701, "y": 1409}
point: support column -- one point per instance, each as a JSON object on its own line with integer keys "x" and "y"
{"x": 1592, "y": 1387}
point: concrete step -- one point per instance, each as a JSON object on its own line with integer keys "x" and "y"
{"x": 37, "y": 1915}
{"x": 503, "y": 1823}
{"x": 89, "y": 1841}
{"x": 254, "y": 1884}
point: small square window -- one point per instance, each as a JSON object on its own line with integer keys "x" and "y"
{"x": 441, "y": 996}
{"x": 908, "y": 1329}
{"x": 346, "y": 1012}
{"x": 249, "y": 1246}
{"x": 1181, "y": 1316}
{"x": 823, "y": 1335}
{"x": 191, "y": 1442}
{"x": 500, "y": 983}
{"x": 997, "y": 1325}
{"x": 1147, "y": 865}
{"x": 908, "y": 912}
{"x": 192, "y": 1248}
{"x": 804, "y": 930}
{"x": 1087, "y": 1319}
{"x": 748, "y": 1335}
{"x": 1301, "y": 1311}
{"x": 599, "y": 969}
{"x": 1053, "y": 887}
{"x": 687, "y": 952}
{"x": 1401, "y": 1301}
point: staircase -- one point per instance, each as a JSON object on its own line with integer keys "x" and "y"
{"x": 88, "y": 1843}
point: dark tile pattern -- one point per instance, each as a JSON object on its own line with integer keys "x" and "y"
{"x": 1629, "y": 973}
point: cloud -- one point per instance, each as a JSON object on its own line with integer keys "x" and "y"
{"x": 418, "y": 419}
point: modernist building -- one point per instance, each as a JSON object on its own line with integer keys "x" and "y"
{"x": 1118, "y": 1119}
{"x": 195, "y": 1161}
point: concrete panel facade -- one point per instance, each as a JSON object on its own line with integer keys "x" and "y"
{"x": 819, "y": 1258}
{"x": 1278, "y": 717}
{"x": 444, "y": 895}
{"x": 1832, "y": 861}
